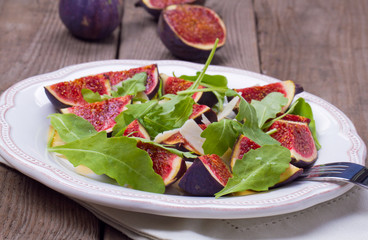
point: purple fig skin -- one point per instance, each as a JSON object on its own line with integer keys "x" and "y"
{"x": 198, "y": 181}
{"x": 303, "y": 163}
{"x": 91, "y": 20}
{"x": 155, "y": 12}
{"x": 58, "y": 104}
{"x": 208, "y": 98}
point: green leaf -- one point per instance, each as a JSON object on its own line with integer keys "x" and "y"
{"x": 302, "y": 108}
{"x": 218, "y": 81}
{"x": 257, "y": 135}
{"x": 131, "y": 86}
{"x": 134, "y": 111}
{"x": 269, "y": 106}
{"x": 71, "y": 127}
{"x": 258, "y": 170}
{"x": 91, "y": 96}
{"x": 220, "y": 136}
{"x": 168, "y": 115}
{"x": 116, "y": 157}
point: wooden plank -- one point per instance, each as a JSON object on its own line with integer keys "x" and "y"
{"x": 34, "y": 41}
{"x": 321, "y": 44}
{"x": 141, "y": 41}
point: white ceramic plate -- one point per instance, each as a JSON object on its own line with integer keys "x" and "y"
{"x": 24, "y": 108}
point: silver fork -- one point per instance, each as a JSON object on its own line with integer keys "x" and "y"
{"x": 339, "y": 171}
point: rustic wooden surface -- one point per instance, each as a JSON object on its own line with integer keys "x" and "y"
{"x": 321, "y": 44}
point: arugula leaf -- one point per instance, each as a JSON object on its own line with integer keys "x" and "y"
{"x": 91, "y": 96}
{"x": 269, "y": 106}
{"x": 71, "y": 127}
{"x": 168, "y": 115}
{"x": 131, "y": 86}
{"x": 117, "y": 157}
{"x": 209, "y": 81}
{"x": 250, "y": 127}
{"x": 302, "y": 108}
{"x": 258, "y": 170}
{"x": 220, "y": 136}
{"x": 134, "y": 111}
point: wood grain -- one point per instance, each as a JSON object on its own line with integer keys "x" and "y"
{"x": 34, "y": 41}
{"x": 321, "y": 44}
{"x": 141, "y": 41}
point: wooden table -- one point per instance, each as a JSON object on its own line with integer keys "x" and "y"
{"x": 321, "y": 44}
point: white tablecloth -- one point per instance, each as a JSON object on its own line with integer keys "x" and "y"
{"x": 345, "y": 217}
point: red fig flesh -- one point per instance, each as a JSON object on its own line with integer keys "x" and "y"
{"x": 155, "y": 7}
{"x": 297, "y": 137}
{"x": 69, "y": 93}
{"x": 203, "y": 110}
{"x": 172, "y": 85}
{"x": 241, "y": 147}
{"x": 135, "y": 129}
{"x": 206, "y": 176}
{"x": 152, "y": 82}
{"x": 190, "y": 31}
{"x": 101, "y": 114}
{"x": 168, "y": 165}
{"x": 287, "y": 88}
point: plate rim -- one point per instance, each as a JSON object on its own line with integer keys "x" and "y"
{"x": 177, "y": 207}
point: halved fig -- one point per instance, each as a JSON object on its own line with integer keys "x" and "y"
{"x": 101, "y": 114}
{"x": 155, "y": 7}
{"x": 136, "y": 129}
{"x": 190, "y": 31}
{"x": 168, "y": 165}
{"x": 206, "y": 176}
{"x": 203, "y": 111}
{"x": 176, "y": 140}
{"x": 69, "y": 93}
{"x": 172, "y": 85}
{"x": 242, "y": 145}
{"x": 152, "y": 82}
{"x": 297, "y": 137}
{"x": 287, "y": 88}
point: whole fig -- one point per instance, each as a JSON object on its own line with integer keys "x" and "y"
{"x": 91, "y": 19}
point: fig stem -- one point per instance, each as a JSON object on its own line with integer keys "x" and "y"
{"x": 201, "y": 75}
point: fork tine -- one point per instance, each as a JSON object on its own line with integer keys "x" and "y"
{"x": 339, "y": 171}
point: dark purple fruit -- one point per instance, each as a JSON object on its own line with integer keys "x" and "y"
{"x": 69, "y": 93}
{"x": 206, "y": 176}
{"x": 189, "y": 31}
{"x": 297, "y": 137}
{"x": 203, "y": 110}
{"x": 152, "y": 82}
{"x": 287, "y": 88}
{"x": 155, "y": 7}
{"x": 91, "y": 20}
{"x": 168, "y": 165}
{"x": 101, "y": 114}
{"x": 136, "y": 129}
{"x": 172, "y": 85}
